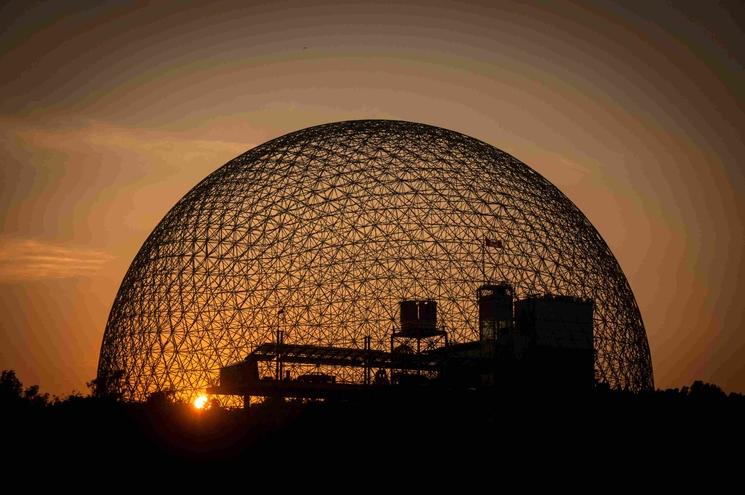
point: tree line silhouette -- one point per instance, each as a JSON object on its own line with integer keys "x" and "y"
{"x": 41, "y": 428}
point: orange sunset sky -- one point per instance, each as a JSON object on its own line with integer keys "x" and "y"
{"x": 111, "y": 111}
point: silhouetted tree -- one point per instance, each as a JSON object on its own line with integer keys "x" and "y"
{"x": 12, "y": 393}
{"x": 32, "y": 396}
{"x": 107, "y": 386}
{"x": 10, "y": 387}
{"x": 160, "y": 400}
{"x": 702, "y": 391}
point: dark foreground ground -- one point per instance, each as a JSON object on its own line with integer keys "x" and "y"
{"x": 414, "y": 432}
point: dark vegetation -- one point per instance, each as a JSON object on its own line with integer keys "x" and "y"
{"x": 101, "y": 430}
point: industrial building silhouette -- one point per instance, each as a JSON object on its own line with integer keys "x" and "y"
{"x": 544, "y": 343}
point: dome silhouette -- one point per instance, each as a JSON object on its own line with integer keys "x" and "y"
{"x": 322, "y": 231}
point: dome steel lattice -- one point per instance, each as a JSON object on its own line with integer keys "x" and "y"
{"x": 322, "y": 231}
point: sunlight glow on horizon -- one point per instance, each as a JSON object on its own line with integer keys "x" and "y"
{"x": 200, "y": 403}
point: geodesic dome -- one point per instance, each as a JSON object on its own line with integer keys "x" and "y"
{"x": 322, "y": 232}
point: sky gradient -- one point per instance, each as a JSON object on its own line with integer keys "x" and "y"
{"x": 110, "y": 112}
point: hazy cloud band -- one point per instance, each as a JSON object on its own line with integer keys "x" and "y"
{"x": 27, "y": 259}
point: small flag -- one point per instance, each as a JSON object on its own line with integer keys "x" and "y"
{"x": 493, "y": 243}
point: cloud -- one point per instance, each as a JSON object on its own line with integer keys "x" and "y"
{"x": 28, "y": 259}
{"x": 102, "y": 139}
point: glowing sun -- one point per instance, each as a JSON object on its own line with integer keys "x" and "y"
{"x": 201, "y": 401}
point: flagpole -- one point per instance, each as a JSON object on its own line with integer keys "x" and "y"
{"x": 483, "y": 262}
